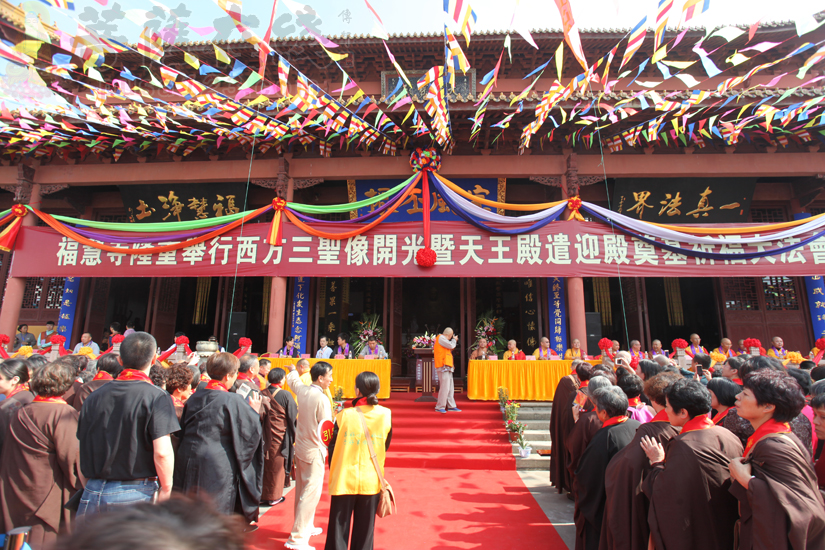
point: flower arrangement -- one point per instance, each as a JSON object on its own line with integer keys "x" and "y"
{"x": 118, "y": 338}
{"x": 181, "y": 340}
{"x": 491, "y": 329}
{"x": 717, "y": 357}
{"x": 423, "y": 342}
{"x": 514, "y": 426}
{"x": 794, "y": 357}
{"x": 679, "y": 343}
{"x": 337, "y": 393}
{"x": 820, "y": 343}
{"x": 605, "y": 343}
{"x": 752, "y": 343}
{"x": 366, "y": 327}
{"x": 511, "y": 410}
{"x": 503, "y": 396}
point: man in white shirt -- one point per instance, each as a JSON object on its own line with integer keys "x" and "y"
{"x": 325, "y": 352}
{"x": 310, "y": 451}
{"x": 86, "y": 342}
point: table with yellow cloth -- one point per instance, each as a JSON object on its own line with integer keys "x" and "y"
{"x": 344, "y": 372}
{"x": 525, "y": 380}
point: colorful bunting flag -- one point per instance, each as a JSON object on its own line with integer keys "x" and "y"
{"x": 662, "y": 14}
{"x": 692, "y": 9}
{"x": 463, "y": 15}
{"x": 634, "y": 41}
{"x": 150, "y": 44}
{"x": 571, "y": 31}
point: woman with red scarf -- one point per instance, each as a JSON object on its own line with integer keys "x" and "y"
{"x": 14, "y": 384}
{"x": 780, "y": 503}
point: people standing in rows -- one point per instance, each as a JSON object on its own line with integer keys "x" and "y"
{"x": 354, "y": 482}
{"x": 280, "y": 422}
{"x": 310, "y": 451}
{"x": 289, "y": 349}
{"x": 39, "y": 463}
{"x": 108, "y": 368}
{"x": 575, "y": 350}
{"x": 221, "y": 448}
{"x": 87, "y": 342}
{"x": 44, "y": 339}
{"x": 443, "y": 363}
{"x": 373, "y": 348}
{"x": 14, "y": 385}
{"x": 343, "y": 346}
{"x": 126, "y": 454}
{"x": 513, "y": 352}
{"x": 543, "y": 351}
{"x": 23, "y": 338}
{"x": 324, "y": 351}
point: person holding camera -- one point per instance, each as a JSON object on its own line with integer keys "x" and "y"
{"x": 443, "y": 363}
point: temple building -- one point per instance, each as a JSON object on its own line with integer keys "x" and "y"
{"x": 768, "y": 177}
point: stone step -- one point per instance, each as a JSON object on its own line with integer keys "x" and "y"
{"x": 540, "y": 424}
{"x": 535, "y": 404}
{"x": 537, "y": 435}
{"x": 533, "y": 462}
{"x": 535, "y": 445}
{"x": 535, "y": 414}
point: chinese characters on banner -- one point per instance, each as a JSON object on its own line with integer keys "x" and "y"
{"x": 558, "y": 315}
{"x": 412, "y": 208}
{"x": 300, "y": 304}
{"x": 68, "y": 304}
{"x": 332, "y": 308}
{"x": 528, "y": 296}
{"x": 560, "y": 249}
{"x": 184, "y": 202}
{"x": 816, "y": 297}
{"x": 684, "y": 200}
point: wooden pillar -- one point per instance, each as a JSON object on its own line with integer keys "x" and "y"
{"x": 16, "y": 286}
{"x": 277, "y": 299}
{"x": 575, "y": 285}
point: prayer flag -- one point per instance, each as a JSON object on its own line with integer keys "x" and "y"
{"x": 571, "y": 31}
{"x": 220, "y": 55}
{"x": 634, "y": 41}
{"x": 662, "y": 13}
{"x": 191, "y": 60}
{"x": 693, "y": 8}
{"x": 455, "y": 51}
{"x": 64, "y": 4}
{"x": 283, "y": 75}
{"x": 463, "y": 15}
{"x": 150, "y": 45}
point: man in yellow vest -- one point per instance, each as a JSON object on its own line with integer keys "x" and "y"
{"x": 443, "y": 363}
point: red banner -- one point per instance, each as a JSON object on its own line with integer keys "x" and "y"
{"x": 560, "y": 249}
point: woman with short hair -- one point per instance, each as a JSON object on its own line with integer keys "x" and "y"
{"x": 722, "y": 397}
{"x": 39, "y": 465}
{"x": 14, "y": 384}
{"x": 354, "y": 484}
{"x": 779, "y": 501}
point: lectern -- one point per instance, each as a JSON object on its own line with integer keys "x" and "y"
{"x": 425, "y": 374}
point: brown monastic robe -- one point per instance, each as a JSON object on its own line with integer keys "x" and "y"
{"x": 561, "y": 424}
{"x": 279, "y": 433}
{"x": 782, "y": 507}
{"x": 70, "y": 395}
{"x": 40, "y": 471}
{"x": 576, "y": 444}
{"x": 625, "y": 513}
{"x": 690, "y": 503}
{"x": 8, "y": 410}
{"x": 85, "y": 391}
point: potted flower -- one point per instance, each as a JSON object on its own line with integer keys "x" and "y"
{"x": 524, "y": 448}
{"x": 514, "y": 429}
{"x": 338, "y": 398}
{"x": 511, "y": 410}
{"x": 503, "y": 398}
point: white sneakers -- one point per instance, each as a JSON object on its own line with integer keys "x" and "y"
{"x": 313, "y": 533}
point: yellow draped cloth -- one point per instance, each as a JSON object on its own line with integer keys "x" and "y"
{"x": 344, "y": 372}
{"x": 526, "y": 380}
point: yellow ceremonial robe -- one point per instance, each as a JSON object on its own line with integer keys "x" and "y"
{"x": 351, "y": 471}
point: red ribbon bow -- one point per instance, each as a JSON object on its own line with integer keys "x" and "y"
{"x": 278, "y": 204}
{"x": 19, "y": 210}
{"x": 574, "y": 204}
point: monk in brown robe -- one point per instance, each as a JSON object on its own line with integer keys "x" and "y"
{"x": 688, "y": 487}
{"x": 561, "y": 424}
{"x": 779, "y": 501}
{"x": 40, "y": 466}
{"x": 626, "y": 507}
{"x": 108, "y": 368}
{"x": 280, "y": 422}
{"x": 14, "y": 384}
{"x": 616, "y": 432}
{"x": 80, "y": 363}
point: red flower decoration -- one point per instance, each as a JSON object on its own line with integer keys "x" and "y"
{"x": 57, "y": 339}
{"x": 181, "y": 340}
{"x": 118, "y": 338}
{"x": 574, "y": 204}
{"x": 820, "y": 344}
{"x": 634, "y": 362}
{"x": 605, "y": 343}
{"x": 278, "y": 204}
{"x": 425, "y": 257}
{"x": 4, "y": 339}
{"x": 425, "y": 159}
{"x": 19, "y": 210}
{"x": 752, "y": 343}
{"x": 679, "y": 343}
{"x": 244, "y": 342}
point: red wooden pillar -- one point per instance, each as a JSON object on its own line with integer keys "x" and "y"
{"x": 577, "y": 323}
{"x": 16, "y": 286}
{"x": 277, "y": 299}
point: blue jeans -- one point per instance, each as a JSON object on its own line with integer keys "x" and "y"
{"x": 104, "y": 496}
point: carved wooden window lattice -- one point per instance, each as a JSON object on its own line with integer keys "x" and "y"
{"x": 55, "y": 293}
{"x": 33, "y": 292}
{"x": 767, "y": 215}
{"x": 780, "y": 294}
{"x": 741, "y": 294}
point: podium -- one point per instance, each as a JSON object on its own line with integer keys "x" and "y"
{"x": 425, "y": 375}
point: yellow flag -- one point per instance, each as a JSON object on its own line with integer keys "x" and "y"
{"x": 220, "y": 55}
{"x": 412, "y": 108}
{"x": 356, "y": 97}
{"x": 193, "y": 61}
{"x": 335, "y": 56}
{"x": 29, "y": 47}
{"x": 659, "y": 55}
{"x": 257, "y": 100}
{"x": 559, "y": 58}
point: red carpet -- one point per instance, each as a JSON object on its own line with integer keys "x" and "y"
{"x": 455, "y": 481}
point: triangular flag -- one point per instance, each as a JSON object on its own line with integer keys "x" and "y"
{"x": 220, "y": 55}
{"x": 191, "y": 60}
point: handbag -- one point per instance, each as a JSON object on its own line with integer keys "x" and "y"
{"x": 386, "y": 501}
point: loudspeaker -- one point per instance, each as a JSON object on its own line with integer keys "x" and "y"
{"x": 593, "y": 322}
{"x": 237, "y": 330}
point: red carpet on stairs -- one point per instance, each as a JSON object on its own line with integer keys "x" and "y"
{"x": 456, "y": 483}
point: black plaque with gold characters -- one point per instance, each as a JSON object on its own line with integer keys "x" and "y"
{"x": 184, "y": 202}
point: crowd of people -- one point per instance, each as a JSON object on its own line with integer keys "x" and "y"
{"x": 95, "y": 442}
{"x": 714, "y": 456}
